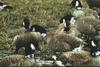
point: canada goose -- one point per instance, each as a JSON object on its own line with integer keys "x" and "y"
{"x": 25, "y": 40}
{"x": 17, "y": 61}
{"x": 67, "y": 21}
{"x": 35, "y": 27}
{"x": 59, "y": 42}
{"x": 76, "y": 4}
{"x": 93, "y": 45}
{"x": 89, "y": 27}
{"x": 85, "y": 12}
{"x": 81, "y": 58}
{"x": 29, "y": 39}
{"x": 3, "y": 6}
{"x": 26, "y": 23}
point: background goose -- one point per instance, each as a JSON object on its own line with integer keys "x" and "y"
{"x": 76, "y": 4}
{"x": 3, "y": 6}
{"x": 82, "y": 58}
{"x": 17, "y": 61}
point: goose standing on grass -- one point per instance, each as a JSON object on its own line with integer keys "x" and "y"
{"x": 30, "y": 39}
{"x": 3, "y": 6}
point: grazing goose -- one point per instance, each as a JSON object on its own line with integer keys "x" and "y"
{"x": 29, "y": 39}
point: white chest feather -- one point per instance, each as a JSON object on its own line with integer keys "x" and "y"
{"x": 64, "y": 22}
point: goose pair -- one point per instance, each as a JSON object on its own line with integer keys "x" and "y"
{"x": 29, "y": 39}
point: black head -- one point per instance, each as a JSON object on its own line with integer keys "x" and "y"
{"x": 8, "y": 7}
{"x": 66, "y": 21}
{"x": 38, "y": 28}
{"x": 67, "y": 18}
{"x": 26, "y": 23}
{"x": 76, "y": 4}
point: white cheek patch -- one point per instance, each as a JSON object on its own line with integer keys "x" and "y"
{"x": 72, "y": 21}
{"x": 4, "y": 6}
{"x": 54, "y": 57}
{"x": 23, "y": 24}
{"x": 93, "y": 44}
{"x": 76, "y": 4}
{"x": 43, "y": 34}
{"x": 33, "y": 29}
{"x": 32, "y": 47}
{"x": 1, "y": 8}
{"x": 97, "y": 16}
{"x": 97, "y": 53}
{"x": 64, "y": 22}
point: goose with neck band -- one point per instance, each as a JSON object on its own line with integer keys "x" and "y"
{"x": 67, "y": 21}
